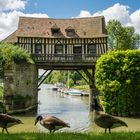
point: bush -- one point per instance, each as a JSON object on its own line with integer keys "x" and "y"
{"x": 13, "y": 53}
{"x": 118, "y": 78}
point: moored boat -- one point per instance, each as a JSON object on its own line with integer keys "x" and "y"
{"x": 75, "y": 92}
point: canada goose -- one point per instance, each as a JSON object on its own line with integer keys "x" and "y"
{"x": 51, "y": 123}
{"x": 105, "y": 120}
{"x": 8, "y": 121}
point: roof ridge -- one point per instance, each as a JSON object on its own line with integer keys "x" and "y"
{"x": 62, "y": 18}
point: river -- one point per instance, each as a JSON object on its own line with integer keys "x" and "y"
{"x": 72, "y": 109}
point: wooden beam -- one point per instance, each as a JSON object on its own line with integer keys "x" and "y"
{"x": 45, "y": 78}
{"x": 82, "y": 77}
{"x": 42, "y": 75}
{"x": 89, "y": 75}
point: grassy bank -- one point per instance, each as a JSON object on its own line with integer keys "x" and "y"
{"x": 72, "y": 136}
{"x": 82, "y": 87}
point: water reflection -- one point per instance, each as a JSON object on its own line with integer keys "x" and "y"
{"x": 73, "y": 110}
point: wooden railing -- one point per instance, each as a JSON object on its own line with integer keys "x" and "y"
{"x": 64, "y": 57}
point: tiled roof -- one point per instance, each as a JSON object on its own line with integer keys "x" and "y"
{"x": 42, "y": 27}
{"x": 11, "y": 38}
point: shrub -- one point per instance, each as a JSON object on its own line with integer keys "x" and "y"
{"x": 13, "y": 53}
{"x": 118, "y": 78}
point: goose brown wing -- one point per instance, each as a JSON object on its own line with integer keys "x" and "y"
{"x": 110, "y": 121}
{"x": 105, "y": 120}
{"x": 54, "y": 121}
{"x": 7, "y": 118}
{"x": 117, "y": 122}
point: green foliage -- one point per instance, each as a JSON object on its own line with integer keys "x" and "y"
{"x": 62, "y": 77}
{"x": 10, "y": 53}
{"x": 82, "y": 87}
{"x": 14, "y": 53}
{"x": 57, "y": 77}
{"x": 1, "y": 65}
{"x": 70, "y": 83}
{"x": 118, "y": 78}
{"x": 121, "y": 38}
{"x": 1, "y": 92}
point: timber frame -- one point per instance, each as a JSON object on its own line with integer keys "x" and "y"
{"x": 48, "y": 59}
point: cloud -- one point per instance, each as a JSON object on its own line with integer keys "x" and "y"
{"x": 9, "y": 21}
{"x": 118, "y": 12}
{"x": 84, "y": 13}
{"x": 12, "y": 4}
{"x": 135, "y": 20}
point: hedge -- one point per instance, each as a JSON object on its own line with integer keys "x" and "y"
{"x": 117, "y": 77}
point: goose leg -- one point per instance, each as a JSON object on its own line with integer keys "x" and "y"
{"x": 105, "y": 130}
{"x": 109, "y": 130}
{"x": 3, "y": 130}
{"x": 6, "y": 130}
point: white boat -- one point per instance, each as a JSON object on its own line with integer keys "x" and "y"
{"x": 75, "y": 92}
{"x": 66, "y": 91}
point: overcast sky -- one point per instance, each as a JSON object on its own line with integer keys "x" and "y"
{"x": 126, "y": 11}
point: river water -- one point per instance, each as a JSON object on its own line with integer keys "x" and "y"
{"x": 71, "y": 109}
{"x": 74, "y": 110}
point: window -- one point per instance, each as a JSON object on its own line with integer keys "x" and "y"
{"x": 91, "y": 49}
{"x": 38, "y": 48}
{"x": 70, "y": 31}
{"x": 55, "y": 32}
{"x": 58, "y": 49}
{"x": 77, "y": 52}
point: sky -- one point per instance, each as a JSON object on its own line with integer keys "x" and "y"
{"x": 126, "y": 11}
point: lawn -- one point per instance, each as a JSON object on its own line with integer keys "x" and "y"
{"x": 71, "y": 136}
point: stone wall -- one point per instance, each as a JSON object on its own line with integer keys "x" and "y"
{"x": 20, "y": 87}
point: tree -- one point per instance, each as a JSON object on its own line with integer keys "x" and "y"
{"x": 121, "y": 38}
{"x": 118, "y": 79}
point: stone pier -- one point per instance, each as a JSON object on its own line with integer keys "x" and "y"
{"x": 20, "y": 88}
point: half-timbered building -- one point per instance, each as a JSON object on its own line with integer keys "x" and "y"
{"x": 59, "y": 44}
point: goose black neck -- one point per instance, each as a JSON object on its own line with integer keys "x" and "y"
{"x": 96, "y": 107}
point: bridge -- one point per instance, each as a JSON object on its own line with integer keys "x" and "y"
{"x": 59, "y": 44}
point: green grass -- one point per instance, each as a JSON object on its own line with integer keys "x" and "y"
{"x": 81, "y": 87}
{"x": 71, "y": 136}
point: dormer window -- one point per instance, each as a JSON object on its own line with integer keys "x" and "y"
{"x": 55, "y": 30}
{"x": 70, "y": 31}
